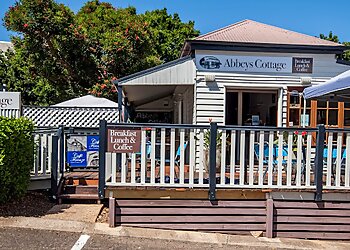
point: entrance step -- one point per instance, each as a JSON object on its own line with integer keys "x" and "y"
{"x": 78, "y": 197}
{"x": 80, "y": 189}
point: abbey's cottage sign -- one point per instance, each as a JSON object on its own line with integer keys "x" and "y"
{"x": 10, "y": 100}
{"x": 261, "y": 64}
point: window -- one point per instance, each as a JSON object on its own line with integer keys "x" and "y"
{"x": 346, "y": 114}
{"x": 327, "y": 113}
{"x": 296, "y": 110}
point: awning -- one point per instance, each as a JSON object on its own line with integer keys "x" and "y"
{"x": 335, "y": 89}
{"x": 88, "y": 101}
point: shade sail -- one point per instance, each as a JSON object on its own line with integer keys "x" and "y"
{"x": 88, "y": 101}
{"x": 335, "y": 89}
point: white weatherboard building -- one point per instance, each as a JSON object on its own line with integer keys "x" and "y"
{"x": 247, "y": 73}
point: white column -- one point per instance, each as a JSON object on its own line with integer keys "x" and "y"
{"x": 179, "y": 103}
{"x": 240, "y": 108}
{"x": 280, "y": 107}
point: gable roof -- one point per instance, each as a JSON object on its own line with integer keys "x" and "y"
{"x": 249, "y": 31}
{"x": 249, "y": 35}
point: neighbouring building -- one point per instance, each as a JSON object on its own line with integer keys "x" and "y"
{"x": 247, "y": 73}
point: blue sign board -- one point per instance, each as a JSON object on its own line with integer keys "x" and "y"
{"x": 93, "y": 142}
{"x": 77, "y": 158}
{"x": 82, "y": 151}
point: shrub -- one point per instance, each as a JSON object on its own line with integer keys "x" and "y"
{"x": 16, "y": 157}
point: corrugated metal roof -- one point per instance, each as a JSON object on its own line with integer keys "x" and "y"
{"x": 248, "y": 31}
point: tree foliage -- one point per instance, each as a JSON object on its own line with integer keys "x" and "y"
{"x": 59, "y": 54}
{"x": 334, "y": 38}
{"x": 168, "y": 33}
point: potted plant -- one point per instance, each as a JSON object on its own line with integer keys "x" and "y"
{"x": 206, "y": 151}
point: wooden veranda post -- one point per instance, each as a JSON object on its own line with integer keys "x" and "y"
{"x": 102, "y": 158}
{"x": 319, "y": 162}
{"x": 212, "y": 161}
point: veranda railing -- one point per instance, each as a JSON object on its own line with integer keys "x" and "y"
{"x": 241, "y": 157}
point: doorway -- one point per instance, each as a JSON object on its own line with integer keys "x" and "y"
{"x": 251, "y": 108}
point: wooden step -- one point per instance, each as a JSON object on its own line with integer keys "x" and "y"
{"x": 81, "y": 181}
{"x": 79, "y": 196}
{"x": 80, "y": 189}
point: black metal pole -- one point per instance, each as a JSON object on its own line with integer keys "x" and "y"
{"x": 102, "y": 158}
{"x": 62, "y": 152}
{"x": 54, "y": 166}
{"x": 319, "y": 162}
{"x": 212, "y": 161}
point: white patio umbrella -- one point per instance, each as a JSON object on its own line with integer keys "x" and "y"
{"x": 88, "y": 101}
{"x": 336, "y": 89}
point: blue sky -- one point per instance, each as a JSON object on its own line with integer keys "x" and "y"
{"x": 310, "y": 17}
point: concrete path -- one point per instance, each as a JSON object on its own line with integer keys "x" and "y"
{"x": 103, "y": 236}
{"x": 75, "y": 212}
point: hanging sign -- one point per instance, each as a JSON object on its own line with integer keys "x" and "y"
{"x": 259, "y": 64}
{"x": 124, "y": 140}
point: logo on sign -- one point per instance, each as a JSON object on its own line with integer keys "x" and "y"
{"x": 93, "y": 143}
{"x": 210, "y": 62}
{"x": 78, "y": 157}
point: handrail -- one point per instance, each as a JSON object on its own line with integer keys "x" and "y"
{"x": 157, "y": 125}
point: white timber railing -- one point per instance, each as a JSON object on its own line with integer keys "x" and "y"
{"x": 245, "y": 158}
{"x": 43, "y": 154}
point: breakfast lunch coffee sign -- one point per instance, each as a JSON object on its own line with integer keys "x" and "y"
{"x": 124, "y": 140}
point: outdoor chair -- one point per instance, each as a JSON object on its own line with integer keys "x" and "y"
{"x": 176, "y": 159}
{"x": 333, "y": 161}
{"x": 274, "y": 155}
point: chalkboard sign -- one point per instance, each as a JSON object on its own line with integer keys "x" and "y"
{"x": 154, "y": 117}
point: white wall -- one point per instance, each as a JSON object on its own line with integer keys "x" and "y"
{"x": 210, "y": 96}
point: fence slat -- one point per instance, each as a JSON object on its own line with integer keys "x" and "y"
{"x": 347, "y": 161}
{"x": 123, "y": 168}
{"x": 162, "y": 156}
{"x": 289, "y": 160}
{"x": 42, "y": 154}
{"x": 143, "y": 155}
{"x": 329, "y": 160}
{"x": 308, "y": 159}
{"x": 133, "y": 168}
{"x": 233, "y": 157}
{"x": 201, "y": 156}
{"x": 251, "y": 157}
{"x": 270, "y": 167}
{"x": 153, "y": 155}
{"x": 192, "y": 157}
{"x": 114, "y": 166}
{"x": 223, "y": 157}
{"x": 261, "y": 157}
{"x": 49, "y": 154}
{"x": 338, "y": 159}
{"x": 280, "y": 159}
{"x": 172, "y": 155}
{"x": 299, "y": 159}
{"x": 182, "y": 156}
{"x": 242, "y": 158}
